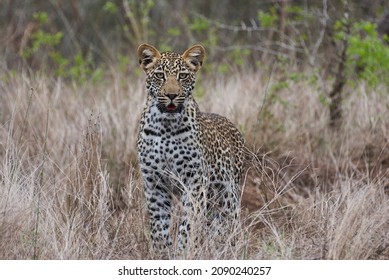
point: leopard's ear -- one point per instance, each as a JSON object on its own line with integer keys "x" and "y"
{"x": 194, "y": 57}
{"x": 148, "y": 56}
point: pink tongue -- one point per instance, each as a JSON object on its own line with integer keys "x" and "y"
{"x": 171, "y": 107}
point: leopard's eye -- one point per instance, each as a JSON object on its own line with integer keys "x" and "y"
{"x": 159, "y": 75}
{"x": 183, "y": 76}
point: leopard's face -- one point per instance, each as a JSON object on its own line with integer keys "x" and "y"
{"x": 170, "y": 76}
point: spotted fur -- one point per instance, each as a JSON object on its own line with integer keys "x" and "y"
{"x": 193, "y": 157}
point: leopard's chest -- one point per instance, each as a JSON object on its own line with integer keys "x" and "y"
{"x": 167, "y": 149}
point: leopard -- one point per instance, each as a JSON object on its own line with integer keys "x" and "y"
{"x": 186, "y": 156}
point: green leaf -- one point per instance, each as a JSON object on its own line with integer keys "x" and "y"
{"x": 198, "y": 24}
{"x": 110, "y": 7}
{"x": 267, "y": 20}
{"x": 174, "y": 31}
{"x": 40, "y": 17}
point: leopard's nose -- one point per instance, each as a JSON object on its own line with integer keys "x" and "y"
{"x": 171, "y": 96}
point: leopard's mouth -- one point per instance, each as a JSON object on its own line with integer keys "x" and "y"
{"x": 171, "y": 107}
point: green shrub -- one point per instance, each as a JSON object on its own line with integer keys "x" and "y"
{"x": 367, "y": 52}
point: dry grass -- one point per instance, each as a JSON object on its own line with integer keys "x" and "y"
{"x": 70, "y": 187}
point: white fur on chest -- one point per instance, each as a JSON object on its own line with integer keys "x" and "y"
{"x": 169, "y": 143}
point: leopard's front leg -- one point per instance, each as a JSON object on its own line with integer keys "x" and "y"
{"x": 159, "y": 203}
{"x": 194, "y": 209}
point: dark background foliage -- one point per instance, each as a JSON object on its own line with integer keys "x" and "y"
{"x": 105, "y": 31}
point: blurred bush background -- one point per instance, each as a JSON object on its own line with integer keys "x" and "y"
{"x": 75, "y": 37}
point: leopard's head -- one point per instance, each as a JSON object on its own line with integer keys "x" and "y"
{"x": 170, "y": 76}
